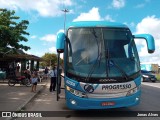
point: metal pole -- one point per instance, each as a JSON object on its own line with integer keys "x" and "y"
{"x": 65, "y": 11}
{"x": 58, "y": 75}
{"x": 58, "y": 72}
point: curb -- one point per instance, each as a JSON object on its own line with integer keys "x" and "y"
{"x": 31, "y": 98}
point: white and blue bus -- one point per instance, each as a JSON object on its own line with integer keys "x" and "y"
{"x": 101, "y": 65}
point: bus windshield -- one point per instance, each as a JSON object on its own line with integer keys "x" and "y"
{"x": 101, "y": 53}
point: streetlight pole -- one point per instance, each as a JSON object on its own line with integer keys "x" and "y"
{"x": 58, "y": 83}
{"x": 65, "y": 11}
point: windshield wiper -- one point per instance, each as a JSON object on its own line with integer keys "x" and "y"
{"x": 121, "y": 70}
{"x": 98, "y": 57}
{"x": 111, "y": 63}
{"x": 93, "y": 68}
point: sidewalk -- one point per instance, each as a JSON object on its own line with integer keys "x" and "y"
{"x": 156, "y": 84}
{"x": 16, "y": 97}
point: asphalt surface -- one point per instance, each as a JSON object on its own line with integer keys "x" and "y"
{"x": 16, "y": 97}
{"x": 20, "y": 98}
{"x": 46, "y": 101}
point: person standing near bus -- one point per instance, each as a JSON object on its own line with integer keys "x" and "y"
{"x": 53, "y": 75}
{"x": 34, "y": 80}
{"x": 46, "y": 73}
{"x": 18, "y": 68}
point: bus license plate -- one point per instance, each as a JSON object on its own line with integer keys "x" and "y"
{"x": 108, "y": 103}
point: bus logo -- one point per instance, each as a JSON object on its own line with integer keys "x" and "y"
{"x": 89, "y": 88}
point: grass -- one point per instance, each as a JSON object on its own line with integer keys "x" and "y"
{"x": 158, "y": 76}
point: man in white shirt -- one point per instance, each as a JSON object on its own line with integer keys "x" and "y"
{"x": 53, "y": 74}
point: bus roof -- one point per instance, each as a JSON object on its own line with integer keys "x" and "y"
{"x": 96, "y": 24}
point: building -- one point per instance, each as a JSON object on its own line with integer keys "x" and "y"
{"x": 19, "y": 62}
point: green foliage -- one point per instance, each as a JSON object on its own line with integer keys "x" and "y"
{"x": 11, "y": 31}
{"x": 49, "y": 60}
{"x": 158, "y": 76}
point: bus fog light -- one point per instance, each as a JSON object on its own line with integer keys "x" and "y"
{"x": 73, "y": 102}
{"x": 137, "y": 99}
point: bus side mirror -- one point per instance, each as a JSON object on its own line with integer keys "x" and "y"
{"x": 149, "y": 39}
{"x": 60, "y": 42}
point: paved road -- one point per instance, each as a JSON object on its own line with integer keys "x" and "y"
{"x": 16, "y": 97}
{"x": 157, "y": 84}
{"x": 11, "y": 98}
{"x": 46, "y": 101}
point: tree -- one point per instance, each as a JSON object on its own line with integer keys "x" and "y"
{"x": 49, "y": 59}
{"x": 12, "y": 32}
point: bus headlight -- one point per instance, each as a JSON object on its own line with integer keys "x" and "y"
{"x": 76, "y": 92}
{"x": 132, "y": 91}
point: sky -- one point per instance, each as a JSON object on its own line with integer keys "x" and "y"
{"x": 47, "y": 19}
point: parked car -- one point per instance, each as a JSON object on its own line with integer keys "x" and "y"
{"x": 148, "y": 76}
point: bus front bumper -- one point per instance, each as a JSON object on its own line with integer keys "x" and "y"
{"x": 78, "y": 103}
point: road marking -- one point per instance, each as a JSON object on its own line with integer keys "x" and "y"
{"x": 157, "y": 85}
